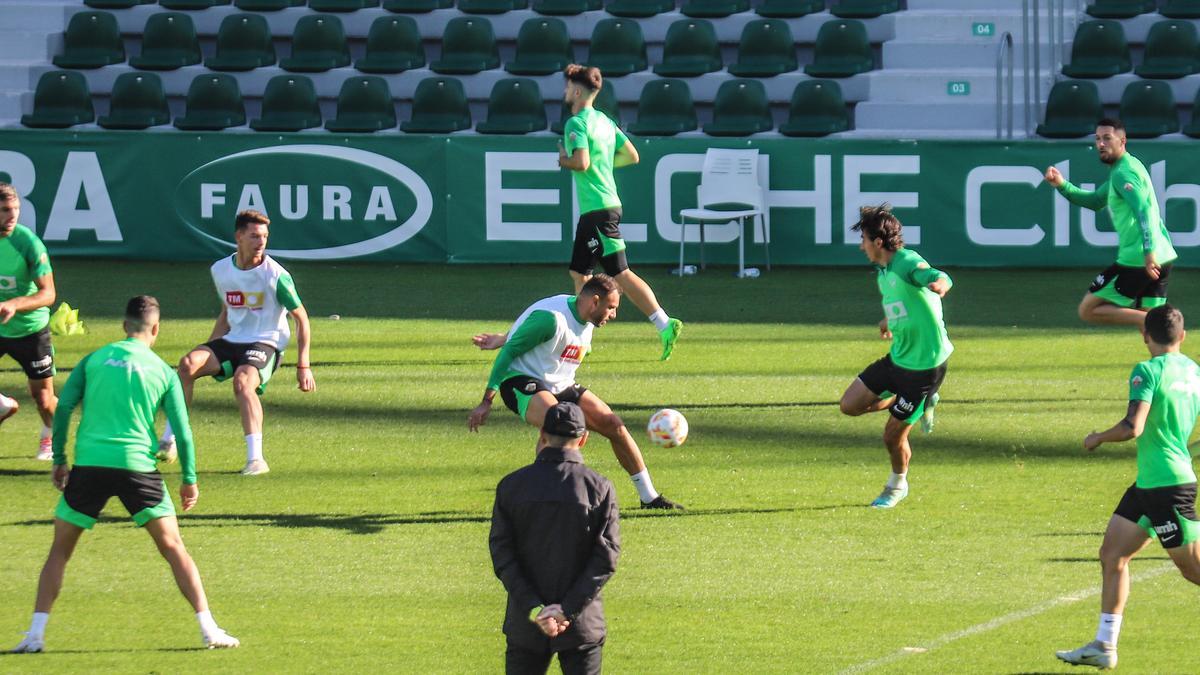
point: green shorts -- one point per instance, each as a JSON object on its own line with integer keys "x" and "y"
{"x": 89, "y": 488}
{"x": 1131, "y": 287}
{"x": 517, "y": 391}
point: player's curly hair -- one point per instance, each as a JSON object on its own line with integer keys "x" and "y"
{"x": 877, "y": 222}
{"x": 8, "y": 193}
{"x": 588, "y": 78}
{"x": 250, "y": 217}
{"x": 600, "y": 284}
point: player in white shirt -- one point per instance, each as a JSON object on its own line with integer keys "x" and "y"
{"x": 257, "y": 296}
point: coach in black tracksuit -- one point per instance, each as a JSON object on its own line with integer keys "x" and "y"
{"x": 555, "y": 543}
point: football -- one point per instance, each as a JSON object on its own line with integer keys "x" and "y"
{"x": 668, "y": 428}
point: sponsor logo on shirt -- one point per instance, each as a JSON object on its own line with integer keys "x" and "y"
{"x": 113, "y": 363}
{"x": 8, "y": 283}
{"x": 573, "y": 353}
{"x": 244, "y": 299}
{"x": 1136, "y": 381}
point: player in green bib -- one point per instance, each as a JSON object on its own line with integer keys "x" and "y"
{"x": 1164, "y": 401}
{"x": 124, "y": 384}
{"x": 26, "y": 293}
{"x": 905, "y": 382}
{"x": 591, "y": 148}
{"x": 1122, "y": 293}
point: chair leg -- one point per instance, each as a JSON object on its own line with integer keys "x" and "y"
{"x": 741, "y": 237}
{"x": 762, "y": 219}
{"x": 700, "y": 224}
{"x": 682, "y": 238}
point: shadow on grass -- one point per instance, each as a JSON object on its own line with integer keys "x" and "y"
{"x": 1095, "y": 560}
{"x": 149, "y": 650}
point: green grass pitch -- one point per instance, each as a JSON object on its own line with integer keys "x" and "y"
{"x": 365, "y": 548}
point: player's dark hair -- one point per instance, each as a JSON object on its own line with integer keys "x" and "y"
{"x": 8, "y": 193}
{"x": 247, "y": 218}
{"x": 588, "y": 78}
{"x": 1164, "y": 324}
{"x": 140, "y": 312}
{"x": 599, "y": 284}
{"x": 877, "y": 222}
{"x": 1113, "y": 122}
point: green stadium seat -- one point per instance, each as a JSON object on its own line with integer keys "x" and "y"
{"x": 116, "y": 4}
{"x": 289, "y": 104}
{"x": 137, "y": 102}
{"x": 318, "y": 44}
{"x": 1193, "y": 127}
{"x": 1148, "y": 109}
{"x": 639, "y": 9}
{"x": 1120, "y": 9}
{"x": 789, "y": 9}
{"x": 364, "y": 105}
{"x": 665, "y": 108}
{"x": 817, "y": 109}
{"x": 243, "y": 43}
{"x": 61, "y": 100}
{"x": 863, "y": 9}
{"x": 515, "y": 107}
{"x": 1072, "y": 110}
{"x": 214, "y": 102}
{"x": 842, "y": 49}
{"x": 690, "y": 49}
{"x": 1172, "y": 51}
{"x": 606, "y": 102}
{"x": 713, "y": 9}
{"x": 393, "y": 46}
{"x": 566, "y": 7}
{"x": 439, "y": 107}
{"x": 1099, "y": 50}
{"x": 490, "y": 6}
{"x": 468, "y": 47}
{"x": 190, "y": 5}
{"x": 416, "y": 6}
{"x": 168, "y": 42}
{"x": 341, "y": 5}
{"x": 741, "y": 108}
{"x": 92, "y": 40}
{"x": 765, "y": 50}
{"x": 266, "y": 5}
{"x": 543, "y": 47}
{"x": 617, "y": 47}
{"x": 1181, "y": 9}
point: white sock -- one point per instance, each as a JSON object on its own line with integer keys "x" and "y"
{"x": 168, "y": 434}
{"x": 37, "y": 627}
{"x": 645, "y": 487}
{"x": 47, "y": 432}
{"x": 660, "y": 319}
{"x": 253, "y": 447}
{"x": 1110, "y": 628}
{"x": 207, "y": 625}
{"x": 898, "y": 480}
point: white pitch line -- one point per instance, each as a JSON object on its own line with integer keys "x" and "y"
{"x": 996, "y": 623}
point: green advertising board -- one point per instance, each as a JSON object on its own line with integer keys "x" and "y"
{"x": 471, "y": 199}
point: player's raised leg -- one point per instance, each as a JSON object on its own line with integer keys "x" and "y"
{"x": 165, "y": 533}
{"x": 858, "y": 399}
{"x": 1097, "y": 310}
{"x": 602, "y": 420}
{"x": 66, "y": 536}
{"x": 640, "y": 293}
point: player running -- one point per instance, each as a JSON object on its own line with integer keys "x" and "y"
{"x": 591, "y": 148}
{"x": 124, "y": 384}
{"x": 251, "y": 333}
{"x": 904, "y": 382}
{"x": 26, "y": 293}
{"x": 1164, "y": 400}
{"x": 1121, "y": 294}
{"x": 536, "y": 370}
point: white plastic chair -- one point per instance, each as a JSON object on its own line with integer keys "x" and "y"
{"x": 729, "y": 191}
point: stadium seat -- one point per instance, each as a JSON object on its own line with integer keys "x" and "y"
{"x": 842, "y": 49}
{"x": 639, "y": 9}
{"x": 116, "y": 4}
{"x": 61, "y": 100}
{"x": 1072, "y": 110}
{"x": 490, "y": 6}
{"x": 543, "y": 47}
{"x": 1172, "y": 51}
{"x": 137, "y": 102}
{"x": 617, "y": 47}
{"x": 341, "y": 5}
{"x": 416, "y": 6}
{"x": 266, "y": 5}
{"x": 243, "y": 43}
{"x": 214, "y": 102}
{"x": 191, "y": 4}
{"x": 1099, "y": 50}
{"x": 515, "y": 107}
{"x": 741, "y": 108}
{"x": 393, "y": 46}
{"x": 817, "y": 109}
{"x": 713, "y": 9}
{"x": 92, "y": 40}
{"x": 439, "y": 107}
{"x": 1148, "y": 109}
{"x": 364, "y": 105}
{"x": 863, "y": 9}
{"x": 606, "y": 102}
{"x": 766, "y": 49}
{"x": 1181, "y": 9}
{"x": 1120, "y": 9}
{"x": 665, "y": 108}
{"x": 318, "y": 44}
{"x": 468, "y": 47}
{"x": 289, "y": 104}
{"x": 168, "y": 42}
{"x": 566, "y": 7}
{"x": 690, "y": 49}
{"x": 1193, "y": 127}
{"x": 789, "y": 9}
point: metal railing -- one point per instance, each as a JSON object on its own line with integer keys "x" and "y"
{"x": 1006, "y": 49}
{"x": 1031, "y": 38}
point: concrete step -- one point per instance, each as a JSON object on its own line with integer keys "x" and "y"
{"x": 44, "y": 15}
{"x": 936, "y": 54}
{"x": 958, "y": 85}
{"x": 968, "y": 25}
{"x": 33, "y": 46}
{"x": 899, "y": 117}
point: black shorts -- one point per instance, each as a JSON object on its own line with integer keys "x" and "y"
{"x": 1131, "y": 286}
{"x": 232, "y": 355}
{"x": 598, "y": 237}
{"x": 34, "y": 352}
{"x": 911, "y": 387}
{"x": 516, "y": 392}
{"x": 1168, "y": 513}
{"x": 89, "y": 488}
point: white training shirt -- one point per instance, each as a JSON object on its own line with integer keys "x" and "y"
{"x": 555, "y": 360}
{"x": 256, "y": 301}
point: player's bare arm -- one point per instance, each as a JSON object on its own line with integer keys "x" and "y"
{"x": 1129, "y": 428}
{"x": 884, "y": 333}
{"x": 487, "y": 341}
{"x": 941, "y": 287}
{"x": 579, "y": 160}
{"x": 479, "y": 415}
{"x": 626, "y": 155}
{"x": 304, "y": 373}
{"x": 1054, "y": 177}
{"x": 221, "y": 327}
{"x": 44, "y": 297}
